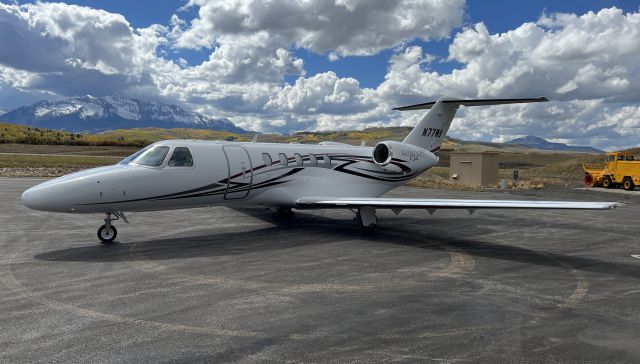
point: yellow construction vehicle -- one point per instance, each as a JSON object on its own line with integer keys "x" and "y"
{"x": 620, "y": 169}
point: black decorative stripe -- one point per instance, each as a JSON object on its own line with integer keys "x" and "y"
{"x": 368, "y": 176}
{"x": 342, "y": 168}
{"x": 177, "y": 194}
{"x": 213, "y": 193}
{"x": 388, "y": 173}
{"x": 190, "y": 193}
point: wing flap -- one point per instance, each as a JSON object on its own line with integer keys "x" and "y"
{"x": 407, "y": 203}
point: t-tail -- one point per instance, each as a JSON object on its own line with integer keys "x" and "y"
{"x": 431, "y": 130}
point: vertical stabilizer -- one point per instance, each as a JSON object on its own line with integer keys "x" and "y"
{"x": 431, "y": 130}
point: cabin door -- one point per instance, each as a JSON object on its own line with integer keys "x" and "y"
{"x": 240, "y": 174}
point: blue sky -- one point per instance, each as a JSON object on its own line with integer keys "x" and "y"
{"x": 283, "y": 66}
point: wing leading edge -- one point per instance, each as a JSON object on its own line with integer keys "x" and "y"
{"x": 410, "y": 203}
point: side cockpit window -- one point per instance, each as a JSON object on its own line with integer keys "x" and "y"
{"x": 181, "y": 157}
{"x": 152, "y": 157}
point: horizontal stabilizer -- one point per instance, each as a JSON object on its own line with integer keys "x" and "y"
{"x": 472, "y": 102}
{"x": 415, "y": 203}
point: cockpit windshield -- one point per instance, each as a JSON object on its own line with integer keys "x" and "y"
{"x": 150, "y": 156}
{"x": 133, "y": 156}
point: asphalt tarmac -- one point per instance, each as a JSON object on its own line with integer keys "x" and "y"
{"x": 217, "y": 284}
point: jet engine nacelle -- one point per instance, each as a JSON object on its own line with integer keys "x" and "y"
{"x": 415, "y": 157}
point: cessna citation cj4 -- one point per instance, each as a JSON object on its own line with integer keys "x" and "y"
{"x": 176, "y": 174}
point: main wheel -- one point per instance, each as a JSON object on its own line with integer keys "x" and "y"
{"x": 627, "y": 184}
{"x": 606, "y": 182}
{"x": 284, "y": 212}
{"x": 105, "y": 235}
{"x": 370, "y": 228}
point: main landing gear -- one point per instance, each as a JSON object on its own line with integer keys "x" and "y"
{"x": 366, "y": 216}
{"x": 107, "y": 232}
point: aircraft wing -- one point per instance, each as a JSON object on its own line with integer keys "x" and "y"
{"x": 433, "y": 204}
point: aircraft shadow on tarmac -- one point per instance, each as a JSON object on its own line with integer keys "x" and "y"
{"x": 307, "y": 229}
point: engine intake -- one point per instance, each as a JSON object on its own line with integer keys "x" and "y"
{"x": 408, "y": 155}
{"x": 382, "y": 154}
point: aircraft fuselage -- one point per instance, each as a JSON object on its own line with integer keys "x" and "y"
{"x": 230, "y": 173}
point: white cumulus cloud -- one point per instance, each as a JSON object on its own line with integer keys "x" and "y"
{"x": 344, "y": 27}
{"x": 323, "y": 93}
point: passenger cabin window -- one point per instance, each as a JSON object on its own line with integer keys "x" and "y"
{"x": 611, "y": 158}
{"x": 152, "y": 157}
{"x": 298, "y": 159}
{"x": 266, "y": 157}
{"x": 181, "y": 157}
{"x": 620, "y": 157}
{"x": 313, "y": 161}
{"x": 283, "y": 160}
{"x": 326, "y": 162}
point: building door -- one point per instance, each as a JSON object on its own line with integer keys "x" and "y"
{"x": 466, "y": 173}
{"x": 240, "y": 174}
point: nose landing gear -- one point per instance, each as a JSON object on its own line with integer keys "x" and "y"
{"x": 107, "y": 232}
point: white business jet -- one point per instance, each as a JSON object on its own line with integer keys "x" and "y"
{"x": 175, "y": 174}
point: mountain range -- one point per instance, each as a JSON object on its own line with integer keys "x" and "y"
{"x": 88, "y": 114}
{"x": 97, "y": 114}
{"x": 540, "y": 143}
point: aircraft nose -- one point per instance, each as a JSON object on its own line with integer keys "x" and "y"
{"x": 32, "y": 199}
{"x": 43, "y": 198}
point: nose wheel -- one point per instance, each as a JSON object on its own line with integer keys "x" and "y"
{"x": 107, "y": 232}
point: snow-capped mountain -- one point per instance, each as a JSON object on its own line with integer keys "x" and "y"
{"x": 95, "y": 114}
{"x": 3, "y": 111}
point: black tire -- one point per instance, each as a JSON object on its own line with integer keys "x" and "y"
{"x": 104, "y": 236}
{"x": 369, "y": 229}
{"x": 284, "y": 213}
{"x": 627, "y": 184}
{"x": 606, "y": 182}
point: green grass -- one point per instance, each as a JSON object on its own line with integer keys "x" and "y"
{"x": 68, "y": 149}
{"x": 20, "y": 134}
{"x": 48, "y": 161}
